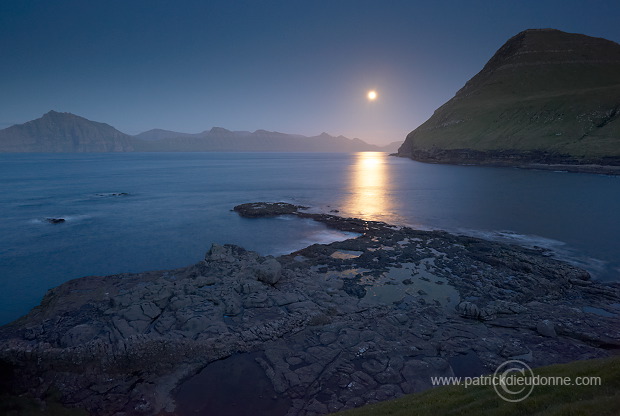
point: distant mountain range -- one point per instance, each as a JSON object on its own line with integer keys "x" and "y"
{"x": 66, "y": 132}
{"x": 546, "y": 97}
{"x": 63, "y": 132}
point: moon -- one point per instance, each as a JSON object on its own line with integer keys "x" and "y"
{"x": 372, "y": 95}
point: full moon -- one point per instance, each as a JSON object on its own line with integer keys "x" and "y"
{"x": 372, "y": 95}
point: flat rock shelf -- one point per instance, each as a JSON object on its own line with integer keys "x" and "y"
{"x": 329, "y": 327}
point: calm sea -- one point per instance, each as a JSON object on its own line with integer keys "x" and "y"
{"x": 131, "y": 212}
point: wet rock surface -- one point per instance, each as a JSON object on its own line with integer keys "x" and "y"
{"x": 331, "y": 326}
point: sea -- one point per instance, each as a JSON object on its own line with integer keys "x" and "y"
{"x": 132, "y": 212}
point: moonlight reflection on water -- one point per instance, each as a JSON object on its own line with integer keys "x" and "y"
{"x": 369, "y": 186}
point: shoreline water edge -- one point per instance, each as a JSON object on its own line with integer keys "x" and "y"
{"x": 507, "y": 159}
{"x": 328, "y": 327}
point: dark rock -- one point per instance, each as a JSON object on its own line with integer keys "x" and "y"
{"x": 79, "y": 334}
{"x": 264, "y": 209}
{"x": 55, "y": 220}
{"x": 226, "y": 253}
{"x": 468, "y": 310}
{"x": 113, "y": 194}
{"x": 269, "y": 271}
{"x": 546, "y": 328}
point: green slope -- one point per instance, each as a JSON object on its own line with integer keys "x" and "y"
{"x": 544, "y": 91}
{"x": 545, "y": 400}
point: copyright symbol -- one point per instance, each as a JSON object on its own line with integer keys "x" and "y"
{"x": 510, "y": 381}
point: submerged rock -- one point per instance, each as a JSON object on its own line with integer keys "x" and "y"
{"x": 55, "y": 220}
{"x": 261, "y": 209}
{"x": 112, "y": 194}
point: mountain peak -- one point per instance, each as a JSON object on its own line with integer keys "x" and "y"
{"x": 63, "y": 132}
{"x": 536, "y": 52}
{"x": 53, "y": 113}
{"x": 219, "y": 130}
{"x": 63, "y": 117}
{"x": 536, "y": 46}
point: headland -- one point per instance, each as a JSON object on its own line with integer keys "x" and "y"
{"x": 331, "y": 326}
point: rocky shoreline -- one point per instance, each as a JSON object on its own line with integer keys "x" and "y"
{"x": 537, "y": 160}
{"x": 331, "y": 326}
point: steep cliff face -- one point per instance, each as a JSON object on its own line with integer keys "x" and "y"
{"x": 546, "y": 97}
{"x": 63, "y": 132}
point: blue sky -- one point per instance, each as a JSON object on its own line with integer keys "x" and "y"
{"x": 291, "y": 66}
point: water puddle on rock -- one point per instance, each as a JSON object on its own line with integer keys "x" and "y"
{"x": 467, "y": 365}
{"x": 412, "y": 280}
{"x": 346, "y": 254}
{"x": 235, "y": 386}
{"x": 348, "y": 273}
{"x": 598, "y": 311}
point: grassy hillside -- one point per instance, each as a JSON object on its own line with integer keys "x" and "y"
{"x": 544, "y": 400}
{"x": 543, "y": 90}
{"x": 581, "y": 123}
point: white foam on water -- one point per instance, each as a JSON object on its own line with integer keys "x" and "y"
{"x": 317, "y": 237}
{"x": 557, "y": 249}
{"x": 286, "y": 217}
{"x": 330, "y": 236}
{"x": 511, "y": 237}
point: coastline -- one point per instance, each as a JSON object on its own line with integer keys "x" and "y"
{"x": 505, "y": 162}
{"x": 332, "y": 326}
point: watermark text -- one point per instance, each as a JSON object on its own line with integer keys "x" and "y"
{"x": 514, "y": 381}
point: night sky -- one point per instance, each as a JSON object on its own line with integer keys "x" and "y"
{"x": 292, "y": 66}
